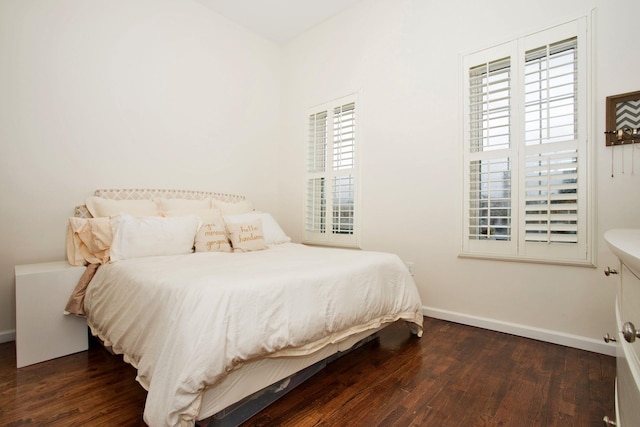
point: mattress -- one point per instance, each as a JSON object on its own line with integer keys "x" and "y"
{"x": 187, "y": 322}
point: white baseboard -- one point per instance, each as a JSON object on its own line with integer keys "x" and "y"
{"x": 568, "y": 340}
{"x": 7, "y": 336}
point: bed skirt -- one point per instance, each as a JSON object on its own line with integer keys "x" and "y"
{"x": 251, "y": 405}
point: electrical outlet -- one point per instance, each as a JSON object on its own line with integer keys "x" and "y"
{"x": 410, "y": 266}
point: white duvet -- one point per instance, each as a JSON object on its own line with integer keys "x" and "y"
{"x": 184, "y": 321}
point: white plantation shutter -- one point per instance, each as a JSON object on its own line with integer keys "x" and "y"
{"x": 316, "y": 164}
{"x": 344, "y": 136}
{"x": 490, "y": 199}
{"x": 331, "y": 195}
{"x": 526, "y": 179}
{"x": 551, "y": 78}
{"x": 316, "y": 205}
{"x": 343, "y": 194}
{"x": 551, "y": 197}
{"x": 490, "y": 158}
{"x": 489, "y": 150}
{"x": 489, "y": 104}
{"x": 317, "y": 155}
{"x": 551, "y": 143}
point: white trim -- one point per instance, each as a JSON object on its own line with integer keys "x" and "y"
{"x": 546, "y": 335}
{"x": 592, "y": 140}
{"x": 527, "y": 31}
{"x": 7, "y": 336}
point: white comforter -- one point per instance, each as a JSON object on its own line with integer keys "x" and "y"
{"x": 185, "y": 321}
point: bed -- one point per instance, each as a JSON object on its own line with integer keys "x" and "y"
{"x": 215, "y": 332}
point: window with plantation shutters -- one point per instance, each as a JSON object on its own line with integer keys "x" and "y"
{"x": 526, "y": 183}
{"x": 331, "y": 191}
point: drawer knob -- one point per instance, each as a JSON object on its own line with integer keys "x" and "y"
{"x": 608, "y": 338}
{"x": 630, "y": 332}
{"x": 609, "y": 271}
{"x": 608, "y": 422}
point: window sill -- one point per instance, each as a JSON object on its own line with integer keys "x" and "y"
{"x": 331, "y": 244}
{"x": 565, "y": 262}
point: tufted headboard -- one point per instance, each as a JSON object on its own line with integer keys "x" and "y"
{"x": 149, "y": 194}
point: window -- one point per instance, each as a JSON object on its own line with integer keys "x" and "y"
{"x": 331, "y": 191}
{"x": 526, "y": 163}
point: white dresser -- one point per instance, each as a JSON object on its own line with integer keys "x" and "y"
{"x": 625, "y": 244}
{"x": 43, "y": 332}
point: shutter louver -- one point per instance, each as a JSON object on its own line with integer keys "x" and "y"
{"x": 343, "y": 208}
{"x": 316, "y": 205}
{"x": 344, "y": 137}
{"x": 317, "y": 154}
{"x": 490, "y": 200}
{"x": 551, "y": 93}
{"x": 551, "y": 197}
{"x": 489, "y": 103}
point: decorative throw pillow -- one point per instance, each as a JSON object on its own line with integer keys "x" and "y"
{"x": 88, "y": 240}
{"x": 273, "y": 233}
{"x": 152, "y": 236}
{"x": 247, "y": 236}
{"x": 212, "y": 238}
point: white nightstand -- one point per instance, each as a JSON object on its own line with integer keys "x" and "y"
{"x": 43, "y": 332}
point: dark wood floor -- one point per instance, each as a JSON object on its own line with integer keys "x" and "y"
{"x": 454, "y": 376}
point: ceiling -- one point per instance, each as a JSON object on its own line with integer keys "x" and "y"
{"x": 278, "y": 20}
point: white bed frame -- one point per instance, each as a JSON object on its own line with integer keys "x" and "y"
{"x": 252, "y": 387}
{"x": 147, "y": 194}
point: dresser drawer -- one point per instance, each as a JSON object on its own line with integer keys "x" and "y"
{"x": 627, "y": 381}
{"x": 630, "y": 308}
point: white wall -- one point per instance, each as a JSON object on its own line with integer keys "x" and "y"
{"x": 120, "y": 93}
{"x": 165, "y": 93}
{"x": 404, "y": 59}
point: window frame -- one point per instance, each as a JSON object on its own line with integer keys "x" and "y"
{"x": 328, "y": 237}
{"x": 518, "y": 248}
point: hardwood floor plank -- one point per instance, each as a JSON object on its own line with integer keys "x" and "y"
{"x": 455, "y": 375}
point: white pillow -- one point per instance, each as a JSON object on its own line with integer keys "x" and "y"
{"x": 99, "y": 207}
{"x": 209, "y": 215}
{"x": 273, "y": 234}
{"x": 183, "y": 204}
{"x": 232, "y": 208}
{"x": 152, "y": 236}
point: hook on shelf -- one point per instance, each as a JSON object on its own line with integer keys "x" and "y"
{"x": 623, "y": 136}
